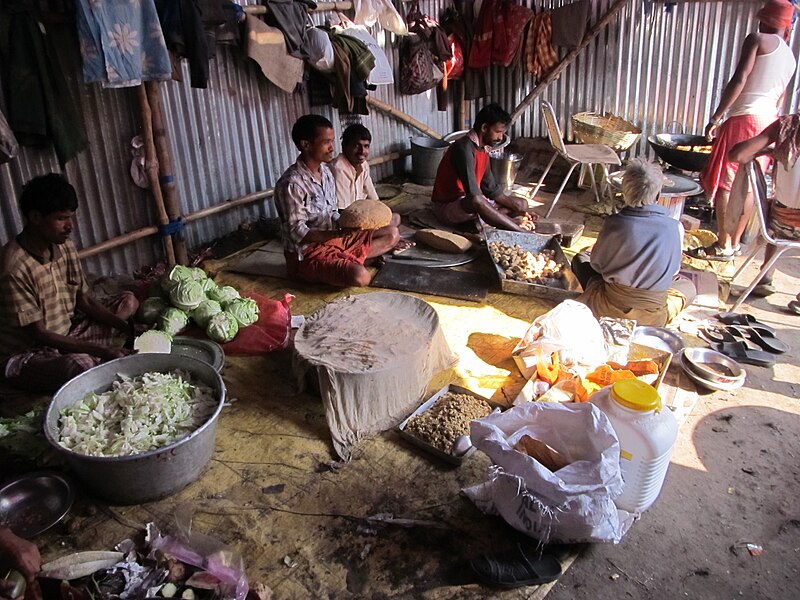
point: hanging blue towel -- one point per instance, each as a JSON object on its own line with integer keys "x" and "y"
{"x": 121, "y": 42}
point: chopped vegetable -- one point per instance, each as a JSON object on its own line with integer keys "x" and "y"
{"x": 548, "y": 370}
{"x": 169, "y": 590}
{"x": 188, "y": 594}
{"x": 136, "y": 415}
{"x": 153, "y": 342}
{"x": 222, "y": 327}
{"x": 244, "y": 310}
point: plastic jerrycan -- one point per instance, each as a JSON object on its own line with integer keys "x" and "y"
{"x": 646, "y": 435}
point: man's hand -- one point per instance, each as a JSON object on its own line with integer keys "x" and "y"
{"x": 22, "y": 555}
{"x": 107, "y": 353}
{"x": 711, "y": 130}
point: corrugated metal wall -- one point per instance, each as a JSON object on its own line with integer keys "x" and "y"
{"x": 650, "y": 67}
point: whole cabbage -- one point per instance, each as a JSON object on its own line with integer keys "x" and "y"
{"x": 197, "y": 274}
{"x": 150, "y": 309}
{"x": 245, "y": 310}
{"x": 203, "y": 313}
{"x": 187, "y": 295}
{"x": 223, "y": 294}
{"x": 208, "y": 284}
{"x": 173, "y": 321}
{"x": 222, "y": 327}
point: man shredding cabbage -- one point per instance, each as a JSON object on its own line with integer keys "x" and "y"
{"x": 632, "y": 271}
{"x": 51, "y": 327}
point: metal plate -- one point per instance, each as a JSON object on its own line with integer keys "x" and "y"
{"x": 422, "y": 256}
{"x": 712, "y": 385}
{"x": 699, "y": 363}
{"x": 205, "y": 350}
{"x": 557, "y": 289}
{"x": 659, "y": 338}
{"x": 419, "y": 442}
{"x": 34, "y": 503}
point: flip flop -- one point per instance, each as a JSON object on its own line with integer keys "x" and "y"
{"x": 794, "y": 306}
{"x": 745, "y": 319}
{"x": 516, "y": 568}
{"x": 741, "y": 353}
{"x": 768, "y": 342}
{"x": 716, "y": 335}
{"x": 712, "y": 252}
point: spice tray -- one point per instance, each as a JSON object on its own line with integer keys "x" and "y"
{"x": 420, "y": 443}
{"x": 554, "y": 288}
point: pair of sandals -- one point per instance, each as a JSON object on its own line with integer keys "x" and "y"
{"x": 714, "y": 252}
{"x": 744, "y": 339}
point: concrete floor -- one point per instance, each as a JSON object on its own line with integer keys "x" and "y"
{"x": 302, "y": 522}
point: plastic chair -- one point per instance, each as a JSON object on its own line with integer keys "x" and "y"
{"x": 574, "y": 154}
{"x": 758, "y": 185}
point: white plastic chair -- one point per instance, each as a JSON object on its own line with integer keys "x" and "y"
{"x": 758, "y": 185}
{"x": 574, "y": 154}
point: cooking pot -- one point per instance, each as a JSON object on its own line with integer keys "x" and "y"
{"x": 664, "y": 145}
{"x": 151, "y": 475}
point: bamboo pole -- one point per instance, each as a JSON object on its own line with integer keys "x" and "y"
{"x": 144, "y": 232}
{"x": 321, "y": 7}
{"x": 401, "y": 116}
{"x": 167, "y": 176}
{"x": 151, "y": 168}
{"x": 567, "y": 60}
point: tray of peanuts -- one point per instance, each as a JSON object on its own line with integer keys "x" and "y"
{"x": 531, "y": 264}
{"x": 440, "y": 425}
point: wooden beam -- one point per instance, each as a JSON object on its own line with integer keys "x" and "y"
{"x": 321, "y": 7}
{"x": 567, "y": 60}
{"x": 404, "y": 117}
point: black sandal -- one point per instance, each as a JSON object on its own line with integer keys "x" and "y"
{"x": 516, "y": 568}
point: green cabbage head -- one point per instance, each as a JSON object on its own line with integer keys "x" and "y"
{"x": 223, "y": 294}
{"x": 187, "y": 295}
{"x": 244, "y": 309}
{"x": 203, "y": 313}
{"x": 173, "y": 321}
{"x": 208, "y": 284}
{"x": 222, "y": 327}
{"x": 150, "y": 309}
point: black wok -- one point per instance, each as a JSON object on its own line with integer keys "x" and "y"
{"x": 663, "y": 144}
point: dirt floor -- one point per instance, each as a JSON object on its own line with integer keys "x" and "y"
{"x": 309, "y": 527}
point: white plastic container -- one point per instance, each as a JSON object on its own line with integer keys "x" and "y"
{"x": 646, "y": 435}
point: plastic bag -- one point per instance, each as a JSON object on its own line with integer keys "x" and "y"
{"x": 320, "y": 50}
{"x": 368, "y": 12}
{"x": 574, "y": 504}
{"x": 382, "y": 73}
{"x": 571, "y": 329}
{"x": 269, "y": 333}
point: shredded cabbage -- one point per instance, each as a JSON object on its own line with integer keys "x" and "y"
{"x": 136, "y": 415}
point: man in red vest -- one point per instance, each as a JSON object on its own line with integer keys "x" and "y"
{"x": 465, "y": 187}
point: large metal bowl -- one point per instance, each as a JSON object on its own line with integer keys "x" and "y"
{"x": 664, "y": 145}
{"x": 35, "y": 502}
{"x": 659, "y": 338}
{"x": 151, "y": 475}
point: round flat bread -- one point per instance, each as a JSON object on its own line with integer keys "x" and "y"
{"x": 365, "y": 214}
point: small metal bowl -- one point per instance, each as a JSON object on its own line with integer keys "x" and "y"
{"x": 713, "y": 366}
{"x": 35, "y": 502}
{"x": 659, "y": 338}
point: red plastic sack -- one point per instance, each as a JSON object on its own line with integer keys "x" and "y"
{"x": 270, "y": 332}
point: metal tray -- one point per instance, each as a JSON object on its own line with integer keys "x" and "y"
{"x": 35, "y": 502}
{"x": 451, "y": 458}
{"x": 556, "y": 289}
{"x": 207, "y": 351}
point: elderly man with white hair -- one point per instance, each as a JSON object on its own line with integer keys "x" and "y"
{"x": 631, "y": 271}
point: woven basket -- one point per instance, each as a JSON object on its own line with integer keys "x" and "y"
{"x": 593, "y": 128}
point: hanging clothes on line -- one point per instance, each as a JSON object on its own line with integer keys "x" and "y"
{"x": 540, "y": 55}
{"x": 185, "y": 34}
{"x": 40, "y": 106}
{"x": 291, "y": 17}
{"x": 267, "y": 46}
{"x": 569, "y": 23}
{"x": 510, "y": 22}
{"x": 121, "y": 43}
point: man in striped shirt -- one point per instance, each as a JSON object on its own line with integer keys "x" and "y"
{"x": 51, "y": 328}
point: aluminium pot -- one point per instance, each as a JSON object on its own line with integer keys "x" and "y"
{"x": 664, "y": 145}
{"x": 151, "y": 475}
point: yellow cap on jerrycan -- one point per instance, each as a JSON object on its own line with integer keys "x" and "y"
{"x": 636, "y": 395}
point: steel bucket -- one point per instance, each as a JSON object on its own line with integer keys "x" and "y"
{"x": 505, "y": 169}
{"x": 141, "y": 477}
{"x": 426, "y": 154}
